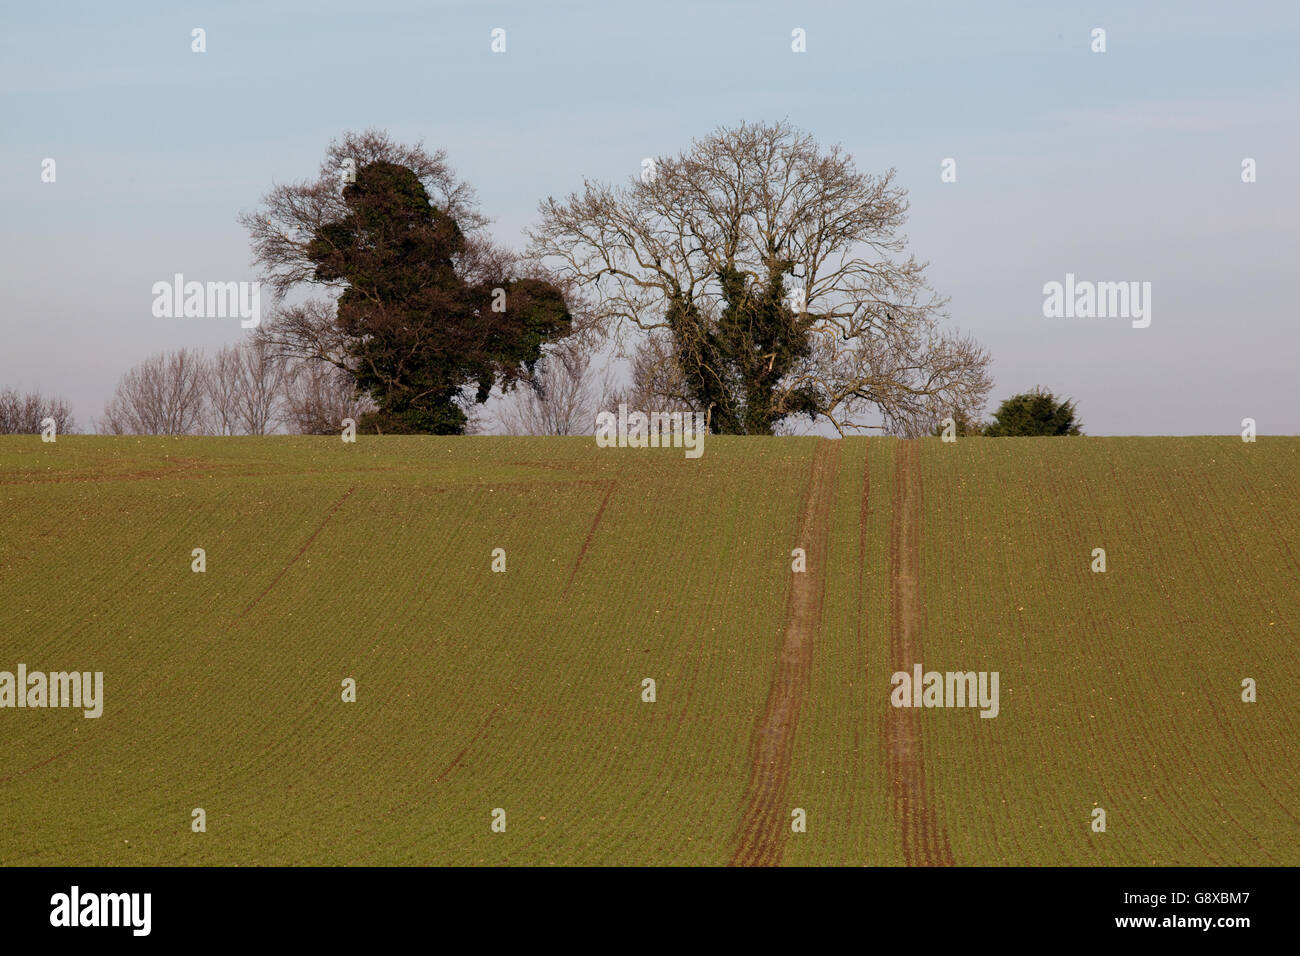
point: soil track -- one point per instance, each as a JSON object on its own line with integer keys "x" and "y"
{"x": 306, "y": 544}
{"x": 423, "y": 794}
{"x": 767, "y": 818}
{"x": 925, "y": 843}
{"x": 591, "y": 532}
{"x": 47, "y": 760}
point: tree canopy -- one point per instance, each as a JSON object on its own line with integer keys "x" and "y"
{"x": 1037, "y": 412}
{"x": 426, "y": 314}
{"x": 774, "y": 272}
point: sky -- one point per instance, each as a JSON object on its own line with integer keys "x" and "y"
{"x": 1117, "y": 166}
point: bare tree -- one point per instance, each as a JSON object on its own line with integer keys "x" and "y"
{"x": 318, "y": 397}
{"x": 477, "y": 422}
{"x": 163, "y": 395}
{"x": 261, "y": 394}
{"x": 244, "y": 385}
{"x": 24, "y": 414}
{"x": 777, "y": 272}
{"x": 657, "y": 383}
{"x": 221, "y": 382}
{"x": 306, "y": 332}
{"x": 563, "y": 397}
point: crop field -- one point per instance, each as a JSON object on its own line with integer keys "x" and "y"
{"x": 500, "y": 604}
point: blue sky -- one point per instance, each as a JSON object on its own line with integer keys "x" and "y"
{"x": 1116, "y": 166}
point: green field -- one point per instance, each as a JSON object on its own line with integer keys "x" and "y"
{"x": 522, "y": 690}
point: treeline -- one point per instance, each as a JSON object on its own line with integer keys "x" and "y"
{"x": 25, "y": 414}
{"x": 245, "y": 389}
{"x": 756, "y": 277}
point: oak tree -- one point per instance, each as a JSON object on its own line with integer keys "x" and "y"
{"x": 772, "y": 274}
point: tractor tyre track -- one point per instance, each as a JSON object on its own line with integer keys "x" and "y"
{"x": 763, "y": 828}
{"x": 924, "y": 840}
{"x": 294, "y": 560}
{"x": 591, "y": 532}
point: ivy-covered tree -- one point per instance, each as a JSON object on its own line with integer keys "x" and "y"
{"x": 427, "y": 314}
{"x": 774, "y": 277}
